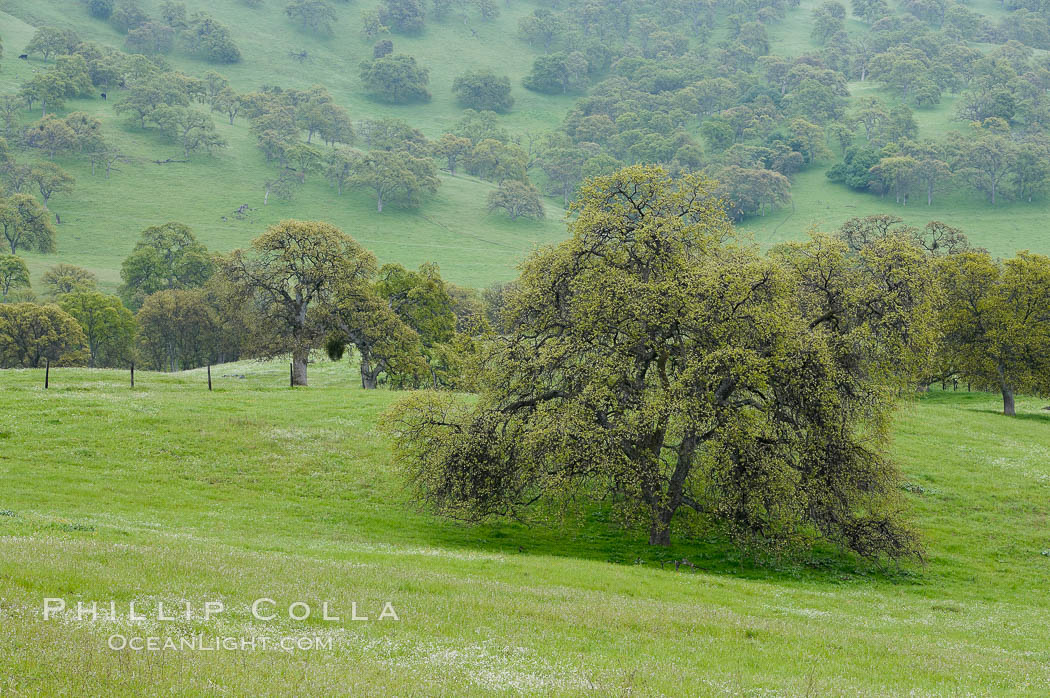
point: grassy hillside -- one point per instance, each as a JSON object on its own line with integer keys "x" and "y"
{"x": 171, "y": 493}
{"x": 102, "y": 218}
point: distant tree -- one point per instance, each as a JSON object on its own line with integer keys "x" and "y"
{"x": 13, "y": 274}
{"x": 931, "y": 166}
{"x": 209, "y": 39}
{"x": 490, "y": 159}
{"x": 128, "y": 16}
{"x": 996, "y": 321}
{"x": 558, "y": 73}
{"x": 517, "y": 200}
{"x": 109, "y": 327}
{"x": 48, "y": 89}
{"x": 479, "y": 126}
{"x": 50, "y": 41}
{"x": 905, "y": 70}
{"x": 422, "y": 300}
{"x": 100, "y": 9}
{"x": 173, "y": 14}
{"x": 31, "y": 333}
{"x": 227, "y": 102}
{"x": 192, "y": 130}
{"x": 855, "y": 169}
{"x": 717, "y": 133}
{"x": 364, "y": 320}
{"x": 396, "y": 177}
{"x": 150, "y": 38}
{"x": 394, "y": 134}
{"x": 68, "y": 278}
{"x": 483, "y": 89}
{"x": 752, "y": 191}
{"x": 293, "y": 272}
{"x": 396, "y": 78}
{"x": 898, "y": 172}
{"x": 87, "y": 132}
{"x": 318, "y": 113}
{"x": 382, "y": 48}
{"x": 541, "y": 27}
{"x": 26, "y": 224}
{"x": 165, "y": 257}
{"x": 986, "y": 161}
{"x": 52, "y": 135}
{"x": 403, "y": 16}
{"x": 176, "y": 330}
{"x": 316, "y": 15}
{"x": 810, "y": 139}
{"x": 564, "y": 166}
{"x": 870, "y": 10}
{"x": 146, "y": 96}
{"x": 340, "y": 167}
{"x": 828, "y": 19}
{"x": 451, "y": 148}
{"x": 372, "y": 26}
{"x": 1030, "y": 172}
{"x": 50, "y": 179}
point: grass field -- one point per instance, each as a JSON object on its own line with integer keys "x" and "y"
{"x": 102, "y": 218}
{"x": 169, "y": 493}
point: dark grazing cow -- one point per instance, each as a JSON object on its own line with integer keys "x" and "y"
{"x": 24, "y": 56}
{"x": 105, "y": 96}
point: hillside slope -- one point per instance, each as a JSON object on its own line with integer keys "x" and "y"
{"x": 170, "y": 493}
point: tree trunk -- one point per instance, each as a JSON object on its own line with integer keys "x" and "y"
{"x": 299, "y": 366}
{"x": 1008, "y": 401}
{"x": 379, "y": 203}
{"x": 660, "y": 529}
{"x": 369, "y": 373}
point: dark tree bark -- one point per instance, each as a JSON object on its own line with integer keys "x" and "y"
{"x": 1008, "y": 401}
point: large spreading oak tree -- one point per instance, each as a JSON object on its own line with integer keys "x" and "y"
{"x": 652, "y": 361}
{"x": 996, "y": 320}
{"x": 293, "y": 272}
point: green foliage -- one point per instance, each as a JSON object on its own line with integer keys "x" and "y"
{"x": 166, "y": 257}
{"x": 402, "y": 16}
{"x": 316, "y": 15}
{"x": 176, "y": 330}
{"x": 128, "y": 16}
{"x": 517, "y": 200}
{"x": 996, "y": 321}
{"x": 100, "y": 9}
{"x": 396, "y": 78}
{"x": 13, "y": 274}
{"x": 109, "y": 327}
{"x": 396, "y": 177}
{"x": 26, "y": 224}
{"x": 654, "y": 362}
{"x": 50, "y": 41}
{"x": 558, "y": 73}
{"x": 294, "y": 273}
{"x": 209, "y": 39}
{"x": 31, "y": 334}
{"x": 68, "y": 278}
{"x": 483, "y": 90}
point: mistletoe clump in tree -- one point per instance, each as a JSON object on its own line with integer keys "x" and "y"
{"x": 653, "y": 360}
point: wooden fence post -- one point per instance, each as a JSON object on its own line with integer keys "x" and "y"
{"x": 291, "y": 375}
{"x": 209, "y": 376}
{"x": 47, "y": 373}
{"x": 132, "y": 374}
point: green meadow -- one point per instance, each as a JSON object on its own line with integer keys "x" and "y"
{"x": 168, "y": 493}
